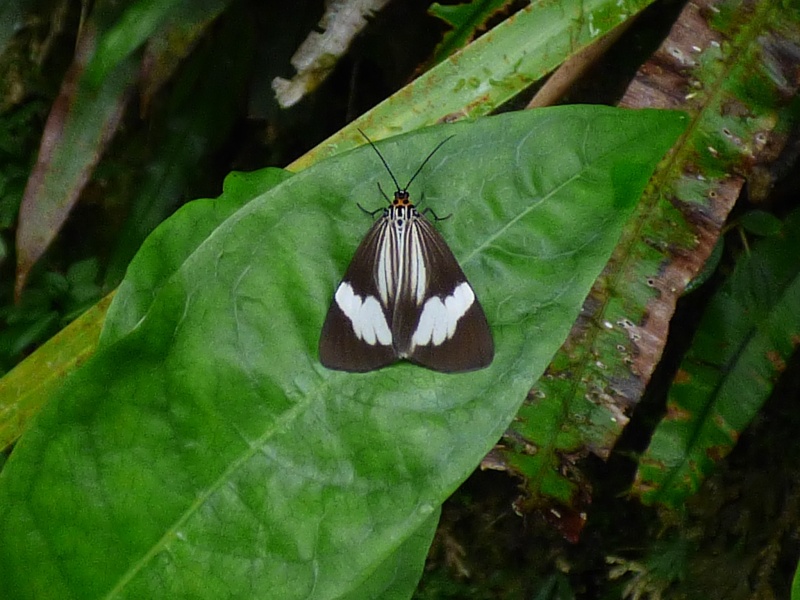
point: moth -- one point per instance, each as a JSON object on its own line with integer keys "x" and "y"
{"x": 405, "y": 297}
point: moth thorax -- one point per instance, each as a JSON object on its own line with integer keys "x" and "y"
{"x": 401, "y": 212}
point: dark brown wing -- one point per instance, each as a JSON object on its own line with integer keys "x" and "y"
{"x": 346, "y": 343}
{"x": 451, "y": 302}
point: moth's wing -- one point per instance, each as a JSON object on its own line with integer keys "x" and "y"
{"x": 356, "y": 335}
{"x": 448, "y": 330}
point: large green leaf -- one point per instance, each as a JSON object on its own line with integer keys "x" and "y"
{"x": 208, "y": 453}
{"x": 400, "y": 573}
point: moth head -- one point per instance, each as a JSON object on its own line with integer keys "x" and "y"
{"x": 401, "y": 198}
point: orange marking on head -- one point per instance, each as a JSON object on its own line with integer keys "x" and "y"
{"x": 401, "y": 198}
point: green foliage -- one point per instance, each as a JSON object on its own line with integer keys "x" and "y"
{"x": 205, "y": 449}
{"x": 39, "y": 317}
{"x": 667, "y": 562}
{"x": 205, "y": 100}
{"x": 796, "y": 584}
{"x": 759, "y": 222}
{"x": 168, "y": 247}
{"x": 749, "y": 330}
{"x": 52, "y": 301}
{"x": 467, "y": 21}
{"x": 130, "y": 188}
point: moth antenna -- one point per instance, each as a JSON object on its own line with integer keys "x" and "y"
{"x": 417, "y": 172}
{"x": 383, "y": 160}
{"x": 439, "y": 145}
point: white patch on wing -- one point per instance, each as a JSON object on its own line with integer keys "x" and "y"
{"x": 439, "y": 318}
{"x": 367, "y": 318}
{"x": 385, "y": 269}
{"x": 400, "y": 270}
{"x": 419, "y": 274}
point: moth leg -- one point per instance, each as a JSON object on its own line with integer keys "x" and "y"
{"x": 371, "y": 213}
{"x": 384, "y": 193}
{"x": 435, "y": 216}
